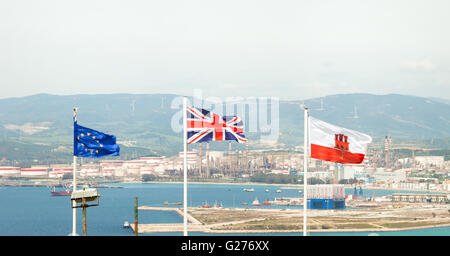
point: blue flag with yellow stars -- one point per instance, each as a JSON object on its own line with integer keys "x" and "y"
{"x": 92, "y": 143}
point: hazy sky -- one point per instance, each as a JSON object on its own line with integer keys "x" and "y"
{"x": 289, "y": 49}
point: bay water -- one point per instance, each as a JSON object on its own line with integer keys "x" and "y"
{"x": 32, "y": 211}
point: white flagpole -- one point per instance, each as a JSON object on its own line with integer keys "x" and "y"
{"x": 74, "y": 182}
{"x": 305, "y": 168}
{"x": 185, "y": 164}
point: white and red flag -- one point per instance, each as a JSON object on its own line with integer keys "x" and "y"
{"x": 336, "y": 144}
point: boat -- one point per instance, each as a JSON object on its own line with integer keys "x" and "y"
{"x": 216, "y": 205}
{"x": 249, "y": 189}
{"x": 267, "y": 190}
{"x": 206, "y": 205}
{"x": 244, "y": 203}
{"x": 257, "y": 203}
{"x": 126, "y": 224}
{"x": 279, "y": 191}
{"x": 167, "y": 203}
{"x": 60, "y": 193}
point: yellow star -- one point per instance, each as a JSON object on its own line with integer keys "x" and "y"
{"x": 85, "y": 149}
{"x": 78, "y": 137}
{"x": 101, "y": 145}
{"x": 96, "y": 151}
{"x": 82, "y": 134}
{"x": 93, "y": 137}
{"x": 88, "y": 134}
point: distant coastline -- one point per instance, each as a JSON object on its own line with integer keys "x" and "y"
{"x": 287, "y": 186}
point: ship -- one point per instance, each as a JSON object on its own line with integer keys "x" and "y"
{"x": 257, "y": 203}
{"x": 249, "y": 189}
{"x": 60, "y": 193}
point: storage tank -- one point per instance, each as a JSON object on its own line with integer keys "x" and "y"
{"x": 34, "y": 171}
{"x": 9, "y": 171}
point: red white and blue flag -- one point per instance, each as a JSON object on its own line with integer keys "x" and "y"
{"x": 204, "y": 125}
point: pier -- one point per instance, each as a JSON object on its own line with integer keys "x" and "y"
{"x": 193, "y": 224}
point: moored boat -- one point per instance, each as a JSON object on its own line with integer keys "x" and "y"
{"x": 206, "y": 205}
{"x": 60, "y": 193}
{"x": 257, "y": 203}
{"x": 167, "y": 203}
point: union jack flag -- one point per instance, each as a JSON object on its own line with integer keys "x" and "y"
{"x": 203, "y": 125}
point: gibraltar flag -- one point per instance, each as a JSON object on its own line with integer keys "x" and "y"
{"x": 336, "y": 144}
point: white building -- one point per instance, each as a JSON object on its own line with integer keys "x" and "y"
{"x": 192, "y": 158}
{"x": 320, "y": 175}
{"x": 430, "y": 160}
{"x": 285, "y": 172}
{"x": 112, "y": 168}
{"x": 390, "y": 176}
{"x": 353, "y": 170}
{"x": 89, "y": 171}
{"x": 153, "y": 160}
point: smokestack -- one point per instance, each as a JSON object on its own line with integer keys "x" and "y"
{"x": 229, "y": 158}
{"x": 200, "y": 159}
{"x": 207, "y": 161}
{"x": 386, "y": 150}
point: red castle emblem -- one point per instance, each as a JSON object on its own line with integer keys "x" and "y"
{"x": 341, "y": 143}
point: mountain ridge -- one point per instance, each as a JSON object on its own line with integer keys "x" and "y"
{"x": 144, "y": 120}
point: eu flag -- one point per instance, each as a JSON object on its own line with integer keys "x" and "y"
{"x": 92, "y": 143}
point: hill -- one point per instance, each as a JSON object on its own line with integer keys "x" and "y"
{"x": 143, "y": 121}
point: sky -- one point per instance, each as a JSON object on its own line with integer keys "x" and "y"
{"x": 289, "y": 49}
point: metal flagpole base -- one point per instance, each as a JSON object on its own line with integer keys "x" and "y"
{"x": 72, "y": 234}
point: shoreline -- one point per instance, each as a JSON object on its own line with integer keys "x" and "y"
{"x": 38, "y": 183}
{"x": 273, "y": 231}
{"x": 328, "y": 230}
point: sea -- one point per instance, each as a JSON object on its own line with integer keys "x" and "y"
{"x": 32, "y": 211}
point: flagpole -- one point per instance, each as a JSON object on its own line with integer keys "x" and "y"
{"x": 74, "y": 175}
{"x": 185, "y": 164}
{"x": 305, "y": 168}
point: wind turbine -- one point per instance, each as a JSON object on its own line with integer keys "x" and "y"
{"x": 355, "y": 114}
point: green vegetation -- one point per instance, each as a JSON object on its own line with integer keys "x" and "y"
{"x": 356, "y": 226}
{"x": 24, "y": 153}
{"x": 274, "y": 178}
{"x": 149, "y": 177}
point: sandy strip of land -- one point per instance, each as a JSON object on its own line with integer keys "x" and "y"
{"x": 383, "y": 218}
